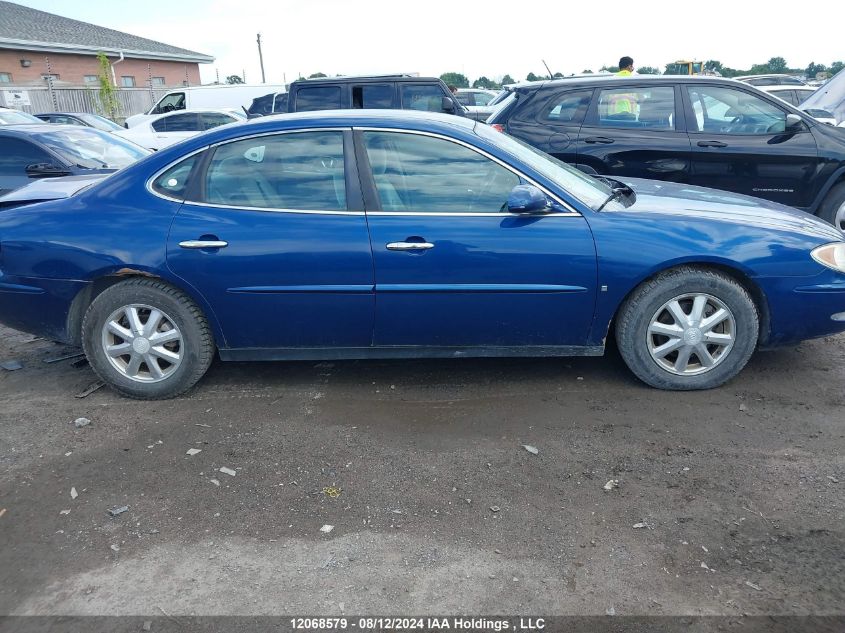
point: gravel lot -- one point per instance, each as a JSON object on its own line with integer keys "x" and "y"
{"x": 728, "y": 501}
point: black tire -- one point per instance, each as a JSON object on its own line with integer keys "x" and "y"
{"x": 194, "y": 348}
{"x": 833, "y": 205}
{"x": 637, "y": 312}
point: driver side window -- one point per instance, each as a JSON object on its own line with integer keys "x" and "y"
{"x": 720, "y": 110}
{"x": 422, "y": 174}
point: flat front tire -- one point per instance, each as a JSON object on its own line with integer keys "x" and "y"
{"x": 146, "y": 339}
{"x": 687, "y": 329}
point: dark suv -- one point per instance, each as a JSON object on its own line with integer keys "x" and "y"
{"x": 699, "y": 130}
{"x": 388, "y": 91}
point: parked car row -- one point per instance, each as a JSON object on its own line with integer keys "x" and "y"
{"x": 41, "y": 150}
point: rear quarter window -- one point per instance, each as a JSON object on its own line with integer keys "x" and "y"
{"x": 173, "y": 183}
{"x": 318, "y": 98}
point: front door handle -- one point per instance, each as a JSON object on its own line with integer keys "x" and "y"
{"x": 409, "y": 246}
{"x": 712, "y": 144}
{"x": 203, "y": 244}
{"x": 603, "y": 140}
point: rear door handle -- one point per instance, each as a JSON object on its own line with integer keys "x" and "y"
{"x": 203, "y": 244}
{"x": 603, "y": 140}
{"x": 409, "y": 246}
{"x": 712, "y": 144}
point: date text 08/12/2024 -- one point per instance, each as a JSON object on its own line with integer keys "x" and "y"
{"x": 419, "y": 623}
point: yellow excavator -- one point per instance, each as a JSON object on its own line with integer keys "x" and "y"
{"x": 685, "y": 68}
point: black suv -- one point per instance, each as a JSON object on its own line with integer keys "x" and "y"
{"x": 699, "y": 130}
{"x": 403, "y": 92}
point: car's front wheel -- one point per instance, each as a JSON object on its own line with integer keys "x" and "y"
{"x": 687, "y": 329}
{"x": 146, "y": 339}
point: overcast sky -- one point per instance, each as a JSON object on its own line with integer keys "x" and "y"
{"x": 474, "y": 38}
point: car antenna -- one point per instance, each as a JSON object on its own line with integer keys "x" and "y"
{"x": 547, "y": 68}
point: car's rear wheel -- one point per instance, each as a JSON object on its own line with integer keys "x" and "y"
{"x": 146, "y": 339}
{"x": 687, "y": 329}
{"x": 833, "y": 207}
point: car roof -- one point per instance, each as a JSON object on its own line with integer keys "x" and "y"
{"x": 409, "y": 119}
{"x": 364, "y": 78}
{"x": 772, "y": 75}
{"x": 65, "y": 114}
{"x": 25, "y": 129}
{"x": 596, "y": 79}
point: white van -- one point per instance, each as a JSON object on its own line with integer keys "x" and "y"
{"x": 235, "y": 96}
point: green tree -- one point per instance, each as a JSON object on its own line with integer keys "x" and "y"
{"x": 813, "y": 69}
{"x": 714, "y": 65}
{"x": 317, "y": 75}
{"x": 648, "y": 70}
{"x": 108, "y": 93}
{"x": 777, "y": 65}
{"x": 507, "y": 79}
{"x": 533, "y": 77}
{"x": 455, "y": 79}
{"x": 610, "y": 69}
{"x": 558, "y": 76}
{"x": 234, "y": 79}
{"x": 587, "y": 71}
{"x": 836, "y": 67}
{"x": 485, "y": 83}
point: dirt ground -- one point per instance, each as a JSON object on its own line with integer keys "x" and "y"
{"x": 728, "y": 501}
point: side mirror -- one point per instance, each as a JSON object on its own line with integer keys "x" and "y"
{"x": 527, "y": 199}
{"x": 45, "y": 170}
{"x": 794, "y": 123}
{"x": 447, "y": 104}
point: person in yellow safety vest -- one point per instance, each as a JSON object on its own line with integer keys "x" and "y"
{"x": 623, "y": 103}
{"x": 626, "y": 66}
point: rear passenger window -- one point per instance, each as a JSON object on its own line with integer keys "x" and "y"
{"x": 318, "y": 98}
{"x": 652, "y": 108}
{"x": 174, "y": 181}
{"x": 376, "y": 96}
{"x": 188, "y": 122}
{"x": 422, "y": 97}
{"x": 299, "y": 171}
{"x": 569, "y": 107}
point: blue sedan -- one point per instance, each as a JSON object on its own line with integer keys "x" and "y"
{"x": 391, "y": 234}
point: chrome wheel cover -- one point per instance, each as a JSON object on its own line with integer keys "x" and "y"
{"x": 142, "y": 343}
{"x": 691, "y": 334}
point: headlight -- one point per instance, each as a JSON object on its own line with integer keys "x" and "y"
{"x": 831, "y": 255}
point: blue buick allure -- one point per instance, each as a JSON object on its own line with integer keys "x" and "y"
{"x": 391, "y": 234}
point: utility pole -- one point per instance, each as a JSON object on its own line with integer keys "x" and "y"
{"x": 261, "y": 59}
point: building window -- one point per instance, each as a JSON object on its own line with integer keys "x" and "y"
{"x": 127, "y": 81}
{"x": 5, "y": 78}
{"x": 91, "y": 79}
{"x": 48, "y": 77}
{"x": 158, "y": 81}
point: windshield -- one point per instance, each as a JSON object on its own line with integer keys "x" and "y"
{"x": 587, "y": 189}
{"x": 101, "y": 123}
{"x": 91, "y": 148}
{"x": 11, "y": 117}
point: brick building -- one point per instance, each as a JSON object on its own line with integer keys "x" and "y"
{"x": 35, "y": 44}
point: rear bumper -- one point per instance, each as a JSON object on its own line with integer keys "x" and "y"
{"x": 38, "y": 306}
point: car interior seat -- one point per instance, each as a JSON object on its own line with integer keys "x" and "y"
{"x": 379, "y": 155}
{"x": 238, "y": 181}
{"x": 655, "y": 113}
